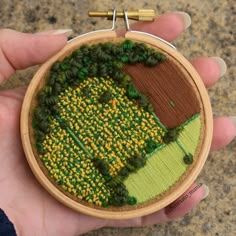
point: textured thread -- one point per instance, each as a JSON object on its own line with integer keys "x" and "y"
{"x": 165, "y": 166}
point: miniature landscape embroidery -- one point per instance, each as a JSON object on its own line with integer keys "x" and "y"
{"x": 98, "y": 135}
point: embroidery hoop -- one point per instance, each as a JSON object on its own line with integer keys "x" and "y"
{"x": 104, "y": 36}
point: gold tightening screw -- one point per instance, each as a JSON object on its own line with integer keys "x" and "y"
{"x": 140, "y": 15}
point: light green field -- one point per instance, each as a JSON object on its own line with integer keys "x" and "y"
{"x": 164, "y": 167}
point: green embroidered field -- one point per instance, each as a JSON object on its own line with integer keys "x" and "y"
{"x": 97, "y": 131}
{"x": 97, "y": 135}
{"x": 165, "y": 166}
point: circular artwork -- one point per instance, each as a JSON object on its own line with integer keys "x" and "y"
{"x": 115, "y": 127}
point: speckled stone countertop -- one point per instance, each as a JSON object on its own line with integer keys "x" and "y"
{"x": 212, "y": 33}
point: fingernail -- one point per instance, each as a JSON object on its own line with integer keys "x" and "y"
{"x": 221, "y": 64}
{"x": 233, "y": 118}
{"x": 68, "y": 32}
{"x": 186, "y": 18}
{"x": 205, "y": 190}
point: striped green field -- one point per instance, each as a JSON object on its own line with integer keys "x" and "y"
{"x": 164, "y": 167}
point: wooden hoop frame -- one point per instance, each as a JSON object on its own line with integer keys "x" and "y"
{"x": 36, "y": 84}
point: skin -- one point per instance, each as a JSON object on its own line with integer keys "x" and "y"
{"x": 32, "y": 210}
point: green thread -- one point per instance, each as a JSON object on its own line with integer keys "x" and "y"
{"x": 159, "y": 122}
{"x": 188, "y": 159}
{"x": 78, "y": 142}
{"x": 151, "y": 146}
{"x": 76, "y": 139}
{"x": 182, "y": 147}
{"x": 149, "y": 155}
{"x": 189, "y": 120}
{"x": 105, "y": 97}
{"x": 172, "y": 104}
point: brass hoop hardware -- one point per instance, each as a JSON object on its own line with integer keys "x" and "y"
{"x": 139, "y": 15}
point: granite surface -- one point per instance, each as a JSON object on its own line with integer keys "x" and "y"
{"x": 212, "y": 33}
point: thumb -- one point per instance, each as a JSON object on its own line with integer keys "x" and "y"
{"x": 20, "y": 50}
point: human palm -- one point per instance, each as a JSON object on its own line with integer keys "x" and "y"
{"x": 32, "y": 210}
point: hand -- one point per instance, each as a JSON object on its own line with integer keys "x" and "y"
{"x": 32, "y": 210}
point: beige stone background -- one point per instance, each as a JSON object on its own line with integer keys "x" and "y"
{"x": 212, "y": 33}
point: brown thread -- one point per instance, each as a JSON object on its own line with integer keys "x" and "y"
{"x": 163, "y": 84}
